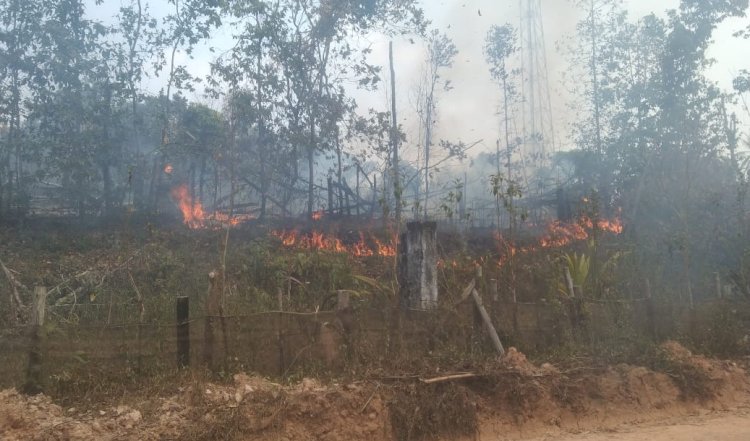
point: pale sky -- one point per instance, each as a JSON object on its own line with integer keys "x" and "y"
{"x": 467, "y": 112}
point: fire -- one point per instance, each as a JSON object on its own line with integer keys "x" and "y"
{"x": 168, "y": 169}
{"x": 317, "y": 215}
{"x": 559, "y": 234}
{"x": 384, "y": 249}
{"x": 192, "y": 211}
{"x": 361, "y": 249}
{"x": 319, "y": 241}
{"x": 195, "y": 217}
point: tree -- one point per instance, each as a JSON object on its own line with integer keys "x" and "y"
{"x": 73, "y": 83}
{"x": 140, "y": 36}
{"x": 500, "y": 45}
{"x": 662, "y": 132}
{"x": 191, "y": 22}
{"x": 440, "y": 54}
{"x": 20, "y": 31}
{"x": 307, "y": 47}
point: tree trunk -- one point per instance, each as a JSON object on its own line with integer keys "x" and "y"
{"x": 310, "y": 175}
{"x": 202, "y": 178}
{"x": 394, "y": 143}
{"x": 339, "y": 179}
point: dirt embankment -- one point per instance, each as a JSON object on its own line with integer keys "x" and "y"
{"x": 513, "y": 399}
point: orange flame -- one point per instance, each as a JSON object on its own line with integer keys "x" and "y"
{"x": 195, "y": 217}
{"x": 319, "y": 241}
{"x": 317, "y": 215}
{"x": 192, "y": 211}
{"x": 558, "y": 235}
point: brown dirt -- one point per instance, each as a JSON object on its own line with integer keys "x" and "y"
{"x": 710, "y": 426}
{"x": 511, "y": 399}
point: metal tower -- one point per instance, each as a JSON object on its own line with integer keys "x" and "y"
{"x": 538, "y": 126}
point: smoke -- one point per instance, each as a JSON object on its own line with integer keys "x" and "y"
{"x": 469, "y": 111}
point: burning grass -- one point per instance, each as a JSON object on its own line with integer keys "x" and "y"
{"x": 196, "y": 217}
{"x": 319, "y": 241}
{"x": 558, "y": 234}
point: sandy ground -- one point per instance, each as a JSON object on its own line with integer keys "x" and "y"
{"x": 733, "y": 426}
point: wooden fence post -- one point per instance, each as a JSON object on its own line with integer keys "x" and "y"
{"x": 477, "y": 324}
{"x": 493, "y": 290}
{"x": 213, "y": 311}
{"x": 33, "y": 383}
{"x": 183, "y": 332}
{"x": 346, "y": 320}
{"x": 280, "y": 333}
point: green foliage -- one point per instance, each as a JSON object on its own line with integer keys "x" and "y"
{"x": 578, "y": 266}
{"x": 501, "y": 43}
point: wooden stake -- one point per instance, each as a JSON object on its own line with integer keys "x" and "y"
{"x": 141, "y": 313}
{"x": 467, "y": 292}
{"x": 213, "y": 309}
{"x": 493, "y": 290}
{"x": 33, "y": 383}
{"x": 488, "y": 323}
{"x": 39, "y": 306}
{"x": 280, "y": 333}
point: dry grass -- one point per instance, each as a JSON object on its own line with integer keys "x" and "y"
{"x": 420, "y": 411}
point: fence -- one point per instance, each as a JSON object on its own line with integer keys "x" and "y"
{"x": 283, "y": 343}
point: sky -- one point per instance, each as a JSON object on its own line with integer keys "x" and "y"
{"x": 468, "y": 111}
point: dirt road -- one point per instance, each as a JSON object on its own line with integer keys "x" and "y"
{"x": 733, "y": 426}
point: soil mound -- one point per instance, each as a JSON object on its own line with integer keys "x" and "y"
{"x": 510, "y": 396}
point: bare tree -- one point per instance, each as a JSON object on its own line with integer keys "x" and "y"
{"x": 440, "y": 54}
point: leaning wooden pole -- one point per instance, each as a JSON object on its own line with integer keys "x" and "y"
{"x": 488, "y": 323}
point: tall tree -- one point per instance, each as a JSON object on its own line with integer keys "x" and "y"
{"x": 190, "y": 23}
{"x": 500, "y": 46}
{"x": 440, "y": 54}
{"x": 20, "y": 32}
